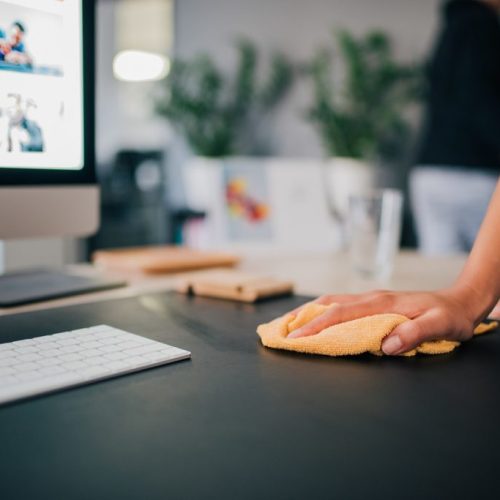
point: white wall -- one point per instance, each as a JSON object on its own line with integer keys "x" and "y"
{"x": 298, "y": 27}
{"x": 123, "y": 110}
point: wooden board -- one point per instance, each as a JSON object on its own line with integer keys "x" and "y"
{"x": 233, "y": 285}
{"x": 161, "y": 259}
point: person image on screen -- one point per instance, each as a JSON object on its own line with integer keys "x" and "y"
{"x": 16, "y": 47}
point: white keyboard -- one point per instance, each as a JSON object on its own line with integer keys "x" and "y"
{"x": 53, "y": 362}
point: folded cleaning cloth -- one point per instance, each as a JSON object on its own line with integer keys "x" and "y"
{"x": 349, "y": 338}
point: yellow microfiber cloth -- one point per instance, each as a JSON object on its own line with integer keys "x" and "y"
{"x": 349, "y": 338}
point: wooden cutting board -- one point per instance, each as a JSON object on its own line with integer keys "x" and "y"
{"x": 161, "y": 259}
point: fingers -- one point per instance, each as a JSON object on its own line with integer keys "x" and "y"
{"x": 316, "y": 325}
{"x": 411, "y": 334}
{"x": 326, "y": 300}
{"x": 336, "y": 299}
{"x": 338, "y": 314}
{"x": 297, "y": 309}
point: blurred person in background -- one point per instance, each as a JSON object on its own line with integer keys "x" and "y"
{"x": 459, "y": 156}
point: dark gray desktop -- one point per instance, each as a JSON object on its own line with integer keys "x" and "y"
{"x": 240, "y": 421}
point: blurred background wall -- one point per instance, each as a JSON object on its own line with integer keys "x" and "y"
{"x": 184, "y": 28}
{"x": 298, "y": 28}
{"x": 124, "y": 117}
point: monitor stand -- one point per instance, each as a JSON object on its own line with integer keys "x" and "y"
{"x": 26, "y": 287}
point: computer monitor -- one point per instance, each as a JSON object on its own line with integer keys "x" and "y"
{"x": 47, "y": 171}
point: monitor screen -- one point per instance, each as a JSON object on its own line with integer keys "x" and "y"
{"x": 41, "y": 85}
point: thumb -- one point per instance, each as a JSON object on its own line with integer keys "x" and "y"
{"x": 411, "y": 334}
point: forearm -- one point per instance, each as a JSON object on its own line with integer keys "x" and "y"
{"x": 479, "y": 282}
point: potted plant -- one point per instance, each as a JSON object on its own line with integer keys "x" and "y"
{"x": 223, "y": 118}
{"x": 361, "y": 114}
{"x": 212, "y": 110}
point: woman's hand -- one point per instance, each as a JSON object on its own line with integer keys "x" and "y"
{"x": 446, "y": 314}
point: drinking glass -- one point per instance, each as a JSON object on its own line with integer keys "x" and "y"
{"x": 374, "y": 225}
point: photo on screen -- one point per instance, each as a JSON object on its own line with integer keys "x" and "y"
{"x": 41, "y": 84}
{"x": 29, "y": 124}
{"x": 30, "y": 40}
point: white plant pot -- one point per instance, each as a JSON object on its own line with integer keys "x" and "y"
{"x": 344, "y": 177}
{"x": 293, "y": 189}
{"x": 202, "y": 179}
{"x": 203, "y": 187}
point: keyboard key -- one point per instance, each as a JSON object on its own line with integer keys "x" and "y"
{"x": 115, "y": 356}
{"x": 107, "y": 348}
{"x": 93, "y": 344}
{"x": 57, "y": 336}
{"x": 128, "y": 345}
{"x": 129, "y": 337}
{"x": 50, "y": 353}
{"x": 73, "y": 365}
{"x": 48, "y": 361}
{"x": 29, "y": 357}
{"x": 96, "y": 360}
{"x": 31, "y": 375}
{"x": 11, "y": 360}
{"x": 45, "y": 346}
{"x": 51, "y": 370}
{"x": 26, "y": 349}
{"x": 65, "y": 336}
{"x": 109, "y": 340}
{"x": 25, "y": 367}
{"x": 89, "y": 353}
{"x": 19, "y": 343}
{"x": 139, "y": 351}
{"x": 68, "y": 349}
{"x": 69, "y": 357}
{"x": 68, "y": 341}
{"x": 106, "y": 335}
